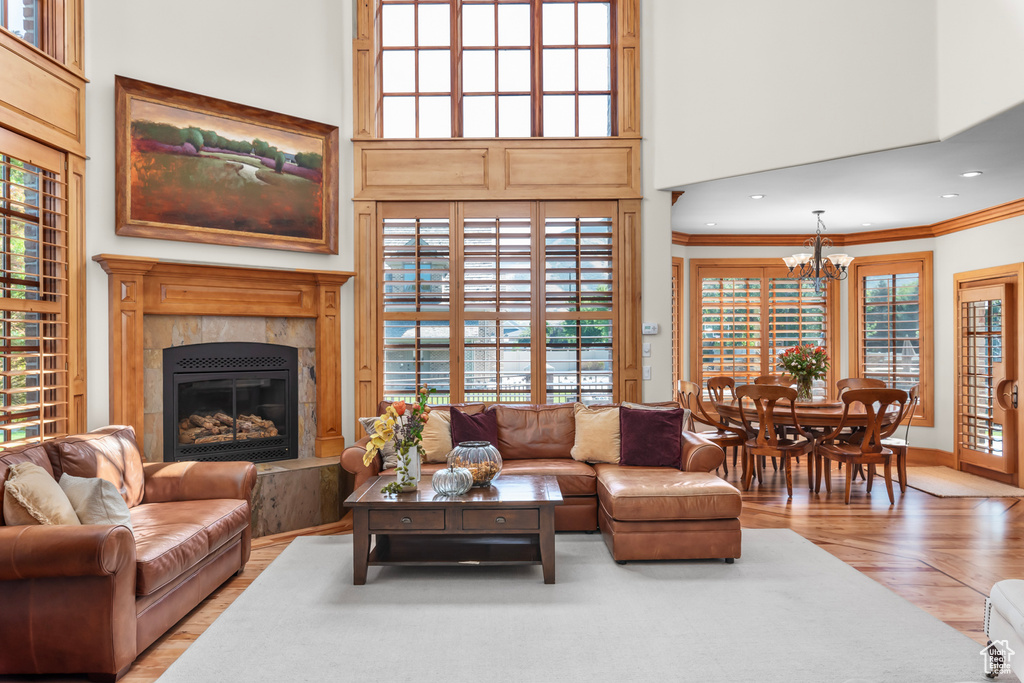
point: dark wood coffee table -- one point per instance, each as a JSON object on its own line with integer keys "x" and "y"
{"x": 510, "y": 522}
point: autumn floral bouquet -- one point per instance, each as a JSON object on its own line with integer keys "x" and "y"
{"x": 403, "y": 424}
{"x": 806, "y": 363}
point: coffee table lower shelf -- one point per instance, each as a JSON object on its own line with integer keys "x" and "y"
{"x": 428, "y": 550}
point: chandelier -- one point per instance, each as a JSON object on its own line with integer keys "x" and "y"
{"x": 815, "y": 266}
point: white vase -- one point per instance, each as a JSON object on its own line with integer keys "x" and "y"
{"x": 410, "y": 479}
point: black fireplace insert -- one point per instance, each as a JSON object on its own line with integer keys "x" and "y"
{"x": 231, "y": 401}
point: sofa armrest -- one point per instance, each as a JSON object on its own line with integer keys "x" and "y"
{"x": 352, "y": 462}
{"x": 38, "y": 552}
{"x": 173, "y": 481}
{"x": 699, "y": 454}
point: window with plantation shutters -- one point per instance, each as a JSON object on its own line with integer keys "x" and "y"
{"x": 745, "y": 315}
{"x": 578, "y": 306}
{"x": 796, "y": 315}
{"x": 890, "y": 323}
{"x": 510, "y": 302}
{"x": 33, "y": 321}
{"x": 416, "y": 303}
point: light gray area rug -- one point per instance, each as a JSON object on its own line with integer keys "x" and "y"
{"x": 786, "y": 611}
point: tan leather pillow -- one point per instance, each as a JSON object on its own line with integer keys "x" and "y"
{"x": 95, "y": 500}
{"x": 31, "y": 496}
{"x": 597, "y": 434}
{"x": 436, "y": 441}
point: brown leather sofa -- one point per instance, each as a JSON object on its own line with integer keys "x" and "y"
{"x": 644, "y": 513}
{"x": 89, "y": 599}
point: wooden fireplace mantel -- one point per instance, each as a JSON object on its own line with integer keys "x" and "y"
{"x": 138, "y": 286}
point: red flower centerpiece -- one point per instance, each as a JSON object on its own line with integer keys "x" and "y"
{"x": 806, "y": 363}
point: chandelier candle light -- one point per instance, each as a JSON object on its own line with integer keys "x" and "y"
{"x": 815, "y": 266}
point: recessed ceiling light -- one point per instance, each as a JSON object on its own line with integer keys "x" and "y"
{"x": 971, "y": 174}
{"x": 865, "y": 224}
{"x": 710, "y": 224}
{"x": 949, "y": 196}
{"x": 757, "y": 196}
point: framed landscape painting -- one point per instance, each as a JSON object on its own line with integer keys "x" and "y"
{"x": 198, "y": 169}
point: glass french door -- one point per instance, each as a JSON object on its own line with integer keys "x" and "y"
{"x": 987, "y": 385}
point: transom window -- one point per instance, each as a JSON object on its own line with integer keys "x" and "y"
{"x": 495, "y": 68}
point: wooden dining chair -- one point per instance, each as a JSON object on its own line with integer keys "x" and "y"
{"x": 783, "y": 380}
{"x": 870, "y": 451}
{"x": 767, "y": 440}
{"x": 722, "y": 388}
{"x": 858, "y": 383}
{"x": 688, "y": 397}
{"x": 899, "y": 446}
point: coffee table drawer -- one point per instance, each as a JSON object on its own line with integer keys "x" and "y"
{"x": 393, "y": 520}
{"x": 497, "y": 520}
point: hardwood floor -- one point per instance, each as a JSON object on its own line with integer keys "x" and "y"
{"x": 942, "y": 554}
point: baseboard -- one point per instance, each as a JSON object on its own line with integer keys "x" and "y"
{"x": 929, "y": 457}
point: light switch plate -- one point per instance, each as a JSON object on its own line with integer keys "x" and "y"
{"x": 646, "y": 349}
{"x": 647, "y": 372}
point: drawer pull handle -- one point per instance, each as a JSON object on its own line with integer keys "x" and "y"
{"x": 499, "y": 520}
{"x": 406, "y": 520}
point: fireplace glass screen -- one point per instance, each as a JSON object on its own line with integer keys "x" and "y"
{"x": 230, "y": 401}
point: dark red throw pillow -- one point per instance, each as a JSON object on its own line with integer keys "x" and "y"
{"x": 650, "y": 438}
{"x": 482, "y": 426}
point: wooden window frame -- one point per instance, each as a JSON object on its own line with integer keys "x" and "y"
{"x": 765, "y": 269}
{"x": 890, "y": 264}
{"x": 624, "y": 71}
{"x": 55, "y": 350}
{"x": 456, "y": 316}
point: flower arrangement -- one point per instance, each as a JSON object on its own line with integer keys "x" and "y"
{"x": 806, "y": 363}
{"x": 402, "y": 424}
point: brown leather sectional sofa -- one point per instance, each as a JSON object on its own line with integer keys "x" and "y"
{"x": 644, "y": 513}
{"x": 89, "y": 599}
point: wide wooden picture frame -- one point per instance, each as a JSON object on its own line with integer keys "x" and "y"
{"x": 193, "y": 168}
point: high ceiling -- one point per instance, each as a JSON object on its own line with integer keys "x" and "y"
{"x": 890, "y": 189}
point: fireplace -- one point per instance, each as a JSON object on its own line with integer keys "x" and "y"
{"x": 230, "y": 401}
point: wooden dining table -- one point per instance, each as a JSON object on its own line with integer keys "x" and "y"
{"x": 817, "y": 416}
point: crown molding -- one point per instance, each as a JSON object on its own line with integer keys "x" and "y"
{"x": 917, "y": 232}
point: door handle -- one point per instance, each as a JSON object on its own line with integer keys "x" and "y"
{"x": 1006, "y": 394}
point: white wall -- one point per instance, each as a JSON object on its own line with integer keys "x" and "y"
{"x": 991, "y": 245}
{"x": 293, "y": 59}
{"x": 980, "y": 61}
{"x": 740, "y": 86}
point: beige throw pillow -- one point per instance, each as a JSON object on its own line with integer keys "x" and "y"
{"x": 95, "y": 500}
{"x": 388, "y": 453}
{"x": 597, "y": 434}
{"x": 32, "y": 496}
{"x": 436, "y": 441}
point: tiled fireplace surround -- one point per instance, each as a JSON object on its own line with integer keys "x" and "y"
{"x": 157, "y": 304}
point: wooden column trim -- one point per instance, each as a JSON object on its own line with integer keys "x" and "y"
{"x": 77, "y": 380}
{"x": 139, "y": 285}
{"x": 628, "y": 309}
{"x": 366, "y": 311}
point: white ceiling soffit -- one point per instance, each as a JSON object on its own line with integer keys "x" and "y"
{"x": 891, "y": 189}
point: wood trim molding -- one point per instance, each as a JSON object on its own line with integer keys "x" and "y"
{"x": 929, "y": 457}
{"x": 965, "y": 222}
{"x": 497, "y": 169}
{"x": 138, "y": 286}
{"x": 628, "y": 310}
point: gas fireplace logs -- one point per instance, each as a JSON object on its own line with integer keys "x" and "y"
{"x": 218, "y": 427}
